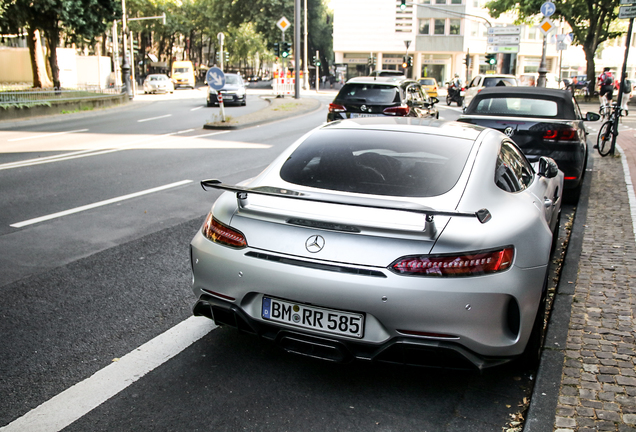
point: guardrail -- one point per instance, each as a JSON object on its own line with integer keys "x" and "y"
{"x": 50, "y": 95}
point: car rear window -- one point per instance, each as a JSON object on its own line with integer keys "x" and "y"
{"x": 493, "y": 81}
{"x": 427, "y": 82}
{"x": 368, "y": 93}
{"x": 402, "y": 164}
{"x": 514, "y": 106}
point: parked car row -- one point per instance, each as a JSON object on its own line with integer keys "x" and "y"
{"x": 389, "y": 235}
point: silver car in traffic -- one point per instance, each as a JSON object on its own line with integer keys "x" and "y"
{"x": 396, "y": 239}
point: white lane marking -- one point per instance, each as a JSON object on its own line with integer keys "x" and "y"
{"x": 47, "y": 135}
{"x": 98, "y": 204}
{"x": 78, "y": 400}
{"x": 154, "y": 118}
{"x": 197, "y": 108}
{"x": 95, "y": 152}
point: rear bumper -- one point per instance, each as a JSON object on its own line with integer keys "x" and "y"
{"x": 398, "y": 350}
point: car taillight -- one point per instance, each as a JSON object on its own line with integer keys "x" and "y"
{"x": 333, "y": 107}
{"x": 220, "y": 233}
{"x": 472, "y": 264}
{"x": 397, "y": 111}
{"x": 568, "y": 134}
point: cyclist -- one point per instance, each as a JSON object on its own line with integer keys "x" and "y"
{"x": 606, "y": 87}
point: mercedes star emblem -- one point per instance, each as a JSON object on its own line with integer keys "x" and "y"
{"x": 315, "y": 243}
{"x": 509, "y": 131}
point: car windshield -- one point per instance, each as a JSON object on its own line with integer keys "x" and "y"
{"x": 401, "y": 164}
{"x": 181, "y": 70}
{"x": 427, "y": 82}
{"x": 368, "y": 93}
{"x": 515, "y": 106}
{"x": 158, "y": 77}
{"x": 499, "y": 81}
{"x": 231, "y": 79}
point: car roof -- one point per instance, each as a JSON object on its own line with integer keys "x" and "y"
{"x": 379, "y": 80}
{"x": 411, "y": 125}
{"x": 498, "y": 76}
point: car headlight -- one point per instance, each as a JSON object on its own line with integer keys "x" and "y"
{"x": 240, "y": 92}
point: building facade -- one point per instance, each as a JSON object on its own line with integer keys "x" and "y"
{"x": 440, "y": 35}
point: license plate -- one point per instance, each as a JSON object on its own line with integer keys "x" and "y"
{"x": 312, "y": 317}
{"x": 356, "y": 115}
{"x": 228, "y": 97}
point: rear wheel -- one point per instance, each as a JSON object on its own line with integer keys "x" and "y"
{"x": 604, "y": 139}
{"x": 532, "y": 354}
{"x": 448, "y": 100}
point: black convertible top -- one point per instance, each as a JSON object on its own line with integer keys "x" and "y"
{"x": 563, "y": 98}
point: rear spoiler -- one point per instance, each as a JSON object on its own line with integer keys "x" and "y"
{"x": 482, "y": 215}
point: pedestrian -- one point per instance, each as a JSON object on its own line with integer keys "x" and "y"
{"x": 606, "y": 86}
{"x": 628, "y": 90}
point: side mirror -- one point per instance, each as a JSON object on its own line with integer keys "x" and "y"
{"x": 548, "y": 167}
{"x": 433, "y": 100}
{"x": 592, "y": 116}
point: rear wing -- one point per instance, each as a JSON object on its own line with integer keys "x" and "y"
{"x": 482, "y": 215}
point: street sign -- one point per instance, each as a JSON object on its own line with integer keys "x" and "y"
{"x": 215, "y": 78}
{"x": 548, "y": 8}
{"x": 627, "y": 12}
{"x": 283, "y": 24}
{"x": 507, "y": 49}
{"x": 545, "y": 26}
{"x": 561, "y": 46}
{"x": 508, "y": 30}
{"x": 503, "y": 40}
{"x": 627, "y": 2}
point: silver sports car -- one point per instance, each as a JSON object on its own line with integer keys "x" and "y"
{"x": 394, "y": 239}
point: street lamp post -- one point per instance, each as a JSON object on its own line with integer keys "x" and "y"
{"x": 125, "y": 68}
{"x": 305, "y": 68}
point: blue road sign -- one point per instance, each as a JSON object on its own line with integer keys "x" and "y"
{"x": 548, "y": 9}
{"x": 215, "y": 78}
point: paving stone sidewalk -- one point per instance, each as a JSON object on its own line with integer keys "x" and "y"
{"x": 598, "y": 387}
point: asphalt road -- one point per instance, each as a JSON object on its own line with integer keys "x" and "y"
{"x": 98, "y": 213}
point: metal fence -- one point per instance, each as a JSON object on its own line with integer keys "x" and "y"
{"x": 37, "y": 96}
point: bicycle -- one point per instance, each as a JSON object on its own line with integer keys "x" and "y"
{"x": 608, "y": 130}
{"x": 605, "y": 108}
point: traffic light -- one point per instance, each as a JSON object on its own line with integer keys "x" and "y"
{"x": 277, "y": 49}
{"x": 409, "y": 61}
{"x": 227, "y": 57}
{"x": 402, "y": 4}
{"x": 285, "y": 50}
{"x": 491, "y": 59}
{"x": 218, "y": 57}
{"x": 405, "y": 62}
{"x": 467, "y": 60}
{"x": 316, "y": 61}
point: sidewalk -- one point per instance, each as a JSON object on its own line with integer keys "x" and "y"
{"x": 594, "y": 355}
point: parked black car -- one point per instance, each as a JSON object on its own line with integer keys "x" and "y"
{"x": 542, "y": 122}
{"x": 380, "y": 96}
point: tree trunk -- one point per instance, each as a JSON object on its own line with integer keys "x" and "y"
{"x": 590, "y": 66}
{"x": 38, "y": 66}
{"x": 52, "y": 41}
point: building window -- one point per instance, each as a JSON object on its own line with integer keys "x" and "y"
{"x": 425, "y": 1}
{"x": 454, "y": 27}
{"x": 440, "y": 25}
{"x": 456, "y": 2}
{"x": 533, "y": 33}
{"x": 440, "y": 2}
{"x": 425, "y": 25}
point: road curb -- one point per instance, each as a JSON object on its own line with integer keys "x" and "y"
{"x": 542, "y": 410}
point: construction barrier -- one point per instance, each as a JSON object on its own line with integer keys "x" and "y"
{"x": 284, "y": 83}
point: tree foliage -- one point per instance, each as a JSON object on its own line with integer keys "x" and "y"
{"x": 591, "y": 20}
{"x": 78, "y": 20}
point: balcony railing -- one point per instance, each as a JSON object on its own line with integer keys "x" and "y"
{"x": 50, "y": 95}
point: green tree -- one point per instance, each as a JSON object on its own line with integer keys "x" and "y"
{"x": 77, "y": 20}
{"x": 591, "y": 21}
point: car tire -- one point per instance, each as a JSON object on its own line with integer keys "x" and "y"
{"x": 437, "y": 115}
{"x": 448, "y": 100}
{"x": 244, "y": 103}
{"x": 209, "y": 104}
{"x": 532, "y": 353}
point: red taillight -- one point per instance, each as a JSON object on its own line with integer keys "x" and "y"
{"x": 397, "y": 111}
{"x": 472, "y": 264}
{"x": 570, "y": 178}
{"x": 219, "y": 233}
{"x": 568, "y": 134}
{"x": 333, "y": 107}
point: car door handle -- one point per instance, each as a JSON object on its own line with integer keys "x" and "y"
{"x": 547, "y": 202}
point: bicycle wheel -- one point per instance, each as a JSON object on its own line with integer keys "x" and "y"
{"x": 604, "y": 139}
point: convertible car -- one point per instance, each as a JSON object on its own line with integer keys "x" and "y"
{"x": 392, "y": 239}
{"x": 542, "y": 122}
